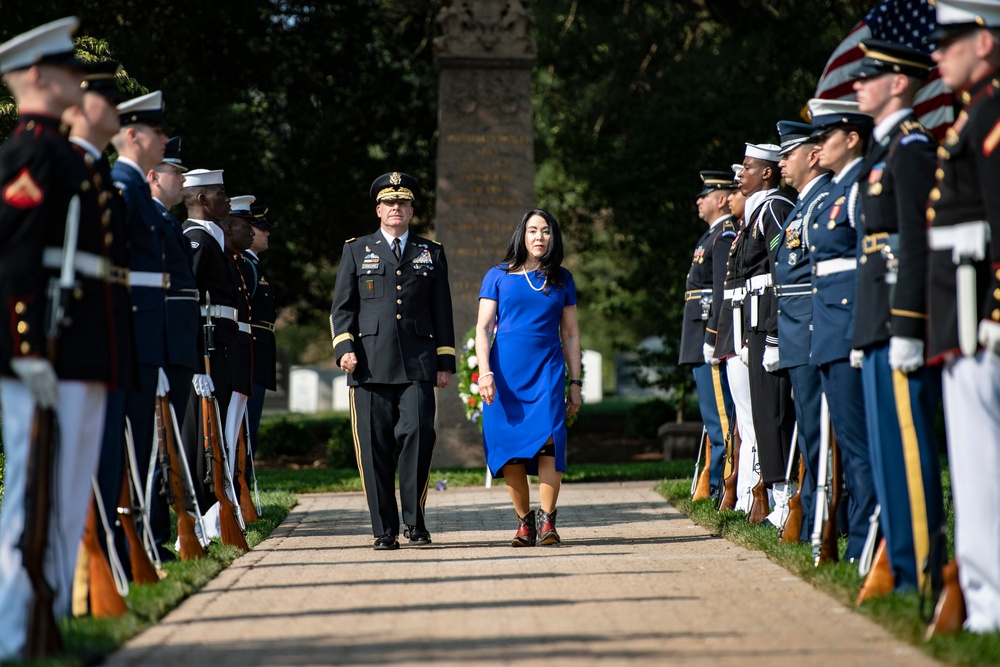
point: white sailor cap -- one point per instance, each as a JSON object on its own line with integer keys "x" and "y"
{"x": 50, "y": 43}
{"x": 958, "y": 16}
{"x": 768, "y": 152}
{"x": 146, "y": 109}
{"x": 197, "y": 178}
{"x": 240, "y": 206}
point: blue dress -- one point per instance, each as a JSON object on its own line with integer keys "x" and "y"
{"x": 529, "y": 369}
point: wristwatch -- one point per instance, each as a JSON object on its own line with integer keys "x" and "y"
{"x": 578, "y": 383}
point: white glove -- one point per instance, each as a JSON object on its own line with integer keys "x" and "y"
{"x": 989, "y": 335}
{"x": 905, "y": 354}
{"x": 709, "y": 353}
{"x": 162, "y": 384}
{"x": 745, "y": 356}
{"x": 40, "y": 378}
{"x": 771, "y": 358}
{"x": 857, "y": 356}
{"x": 203, "y": 385}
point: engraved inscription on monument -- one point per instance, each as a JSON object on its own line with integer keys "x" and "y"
{"x": 485, "y": 168}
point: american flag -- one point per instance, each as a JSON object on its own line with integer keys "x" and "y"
{"x": 904, "y": 22}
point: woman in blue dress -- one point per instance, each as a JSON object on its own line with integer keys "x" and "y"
{"x": 531, "y": 300}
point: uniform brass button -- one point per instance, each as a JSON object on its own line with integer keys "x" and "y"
{"x": 812, "y": 248}
{"x": 399, "y": 287}
{"x": 30, "y": 125}
{"x": 815, "y": 225}
{"x": 425, "y": 273}
{"x": 966, "y": 96}
{"x": 998, "y": 274}
{"x": 25, "y": 347}
{"x": 85, "y": 186}
{"x": 843, "y": 302}
{"x": 996, "y": 314}
{"x": 931, "y": 215}
{"x": 935, "y": 194}
{"x": 135, "y": 309}
{"x": 864, "y": 259}
{"x": 108, "y": 238}
{"x": 996, "y": 294}
{"x": 942, "y": 152}
{"x": 22, "y": 327}
{"x": 98, "y": 180}
{"x": 398, "y": 316}
{"x": 814, "y": 290}
{"x": 398, "y": 272}
{"x": 78, "y": 294}
{"x": 19, "y": 307}
{"x": 369, "y": 273}
{"x": 939, "y": 174}
{"x": 399, "y": 301}
{"x": 106, "y": 217}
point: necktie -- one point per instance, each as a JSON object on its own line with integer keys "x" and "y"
{"x": 395, "y": 249}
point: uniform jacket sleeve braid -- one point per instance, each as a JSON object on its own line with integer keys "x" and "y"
{"x": 913, "y": 161}
{"x": 344, "y": 310}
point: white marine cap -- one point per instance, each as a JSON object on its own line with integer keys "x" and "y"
{"x": 829, "y": 114}
{"x": 971, "y": 13}
{"x": 146, "y": 109}
{"x": 241, "y": 203}
{"x": 197, "y": 178}
{"x": 52, "y": 42}
{"x": 768, "y": 152}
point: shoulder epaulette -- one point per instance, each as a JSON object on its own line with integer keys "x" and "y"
{"x": 434, "y": 242}
{"x": 351, "y": 239}
{"x": 912, "y": 126}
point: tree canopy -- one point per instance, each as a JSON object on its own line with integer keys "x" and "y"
{"x": 304, "y": 103}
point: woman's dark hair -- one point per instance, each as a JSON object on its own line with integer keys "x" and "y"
{"x": 517, "y": 251}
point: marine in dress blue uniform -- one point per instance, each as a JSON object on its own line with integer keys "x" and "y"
{"x": 963, "y": 212}
{"x": 833, "y": 253}
{"x": 714, "y": 401}
{"x": 901, "y": 397}
{"x": 770, "y": 392}
{"x": 40, "y": 173}
{"x": 393, "y": 332}
{"x": 793, "y": 292}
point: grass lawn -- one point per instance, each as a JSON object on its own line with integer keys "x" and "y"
{"x": 900, "y": 614}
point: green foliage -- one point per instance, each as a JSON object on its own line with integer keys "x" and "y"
{"x": 899, "y": 613}
{"x": 295, "y": 436}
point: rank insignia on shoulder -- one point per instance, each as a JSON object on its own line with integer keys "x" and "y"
{"x": 910, "y": 138}
{"x": 991, "y": 140}
{"x": 23, "y": 192}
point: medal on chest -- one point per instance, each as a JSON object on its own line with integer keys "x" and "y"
{"x": 875, "y": 180}
{"x": 699, "y": 255}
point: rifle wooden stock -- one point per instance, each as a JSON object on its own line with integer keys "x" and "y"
{"x": 246, "y": 497}
{"x": 829, "y": 551}
{"x": 728, "y": 501}
{"x": 949, "y": 613}
{"x": 703, "y": 490}
{"x": 43, "y": 632}
{"x": 143, "y": 570}
{"x": 792, "y": 529}
{"x": 759, "y": 507}
{"x": 190, "y": 546}
{"x": 229, "y": 525}
{"x": 105, "y": 600}
{"x": 880, "y": 580}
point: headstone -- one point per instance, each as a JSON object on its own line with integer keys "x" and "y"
{"x": 312, "y": 389}
{"x": 485, "y": 168}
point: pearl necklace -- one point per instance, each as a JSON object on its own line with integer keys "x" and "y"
{"x": 537, "y": 289}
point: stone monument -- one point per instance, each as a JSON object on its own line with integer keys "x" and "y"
{"x": 485, "y": 168}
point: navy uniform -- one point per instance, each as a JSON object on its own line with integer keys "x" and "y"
{"x": 793, "y": 292}
{"x": 770, "y": 393}
{"x": 964, "y": 211}
{"x": 395, "y": 316}
{"x": 833, "y": 252}
{"x": 263, "y": 313}
{"x": 895, "y": 179}
{"x": 39, "y": 175}
{"x": 714, "y": 401}
{"x": 216, "y": 288}
{"x": 725, "y": 326}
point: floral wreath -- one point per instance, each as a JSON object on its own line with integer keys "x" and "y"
{"x": 468, "y": 382}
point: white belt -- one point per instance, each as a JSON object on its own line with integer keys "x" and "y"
{"x": 798, "y": 289}
{"x": 225, "y": 312}
{"x": 85, "y": 263}
{"x": 759, "y": 283}
{"x": 830, "y": 266}
{"x": 735, "y": 294}
{"x": 243, "y": 326}
{"x": 966, "y": 240}
{"x": 149, "y": 279}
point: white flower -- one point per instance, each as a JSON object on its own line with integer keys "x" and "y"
{"x": 474, "y": 388}
{"x": 470, "y": 344}
{"x": 464, "y": 396}
{"x": 472, "y": 361}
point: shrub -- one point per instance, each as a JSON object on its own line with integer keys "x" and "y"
{"x": 326, "y": 436}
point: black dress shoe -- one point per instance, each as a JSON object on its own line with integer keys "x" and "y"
{"x": 386, "y": 542}
{"x": 418, "y": 536}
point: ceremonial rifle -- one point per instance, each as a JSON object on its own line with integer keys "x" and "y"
{"x": 703, "y": 488}
{"x": 139, "y": 498}
{"x": 949, "y": 613}
{"x": 727, "y": 500}
{"x": 759, "y": 508}
{"x": 43, "y": 632}
{"x": 793, "y": 449}
{"x": 143, "y": 570}
{"x": 247, "y": 507}
{"x": 793, "y": 524}
{"x": 106, "y": 579}
{"x": 828, "y": 481}
{"x": 230, "y": 518}
{"x": 176, "y": 490}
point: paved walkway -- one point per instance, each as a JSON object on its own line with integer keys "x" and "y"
{"x": 635, "y": 582}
